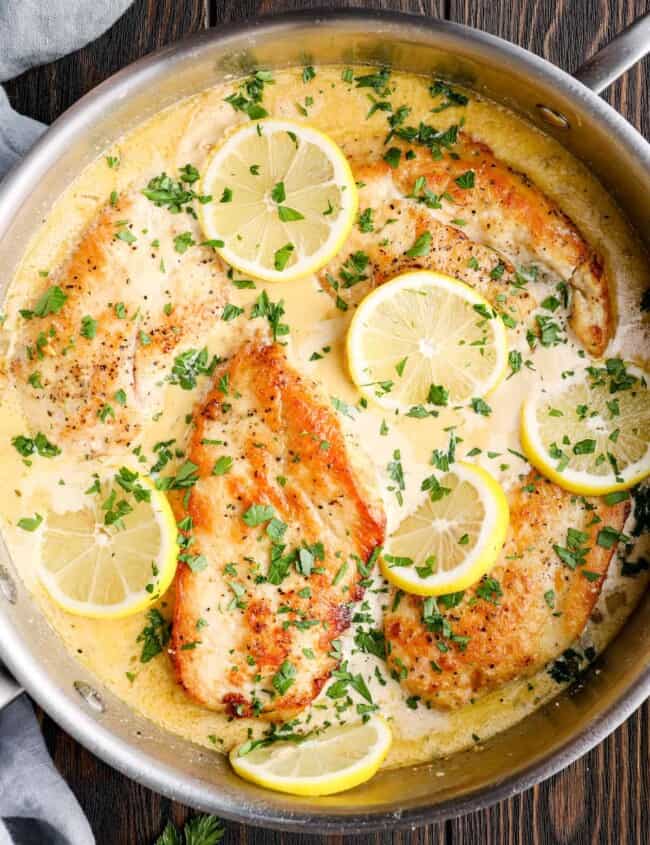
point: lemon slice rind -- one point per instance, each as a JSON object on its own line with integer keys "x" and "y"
{"x": 338, "y": 222}
{"x": 418, "y": 281}
{"x": 578, "y": 481}
{"x": 260, "y": 766}
{"x": 157, "y": 569}
{"x": 483, "y": 552}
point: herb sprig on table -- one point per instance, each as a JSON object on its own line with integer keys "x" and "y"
{"x": 201, "y": 830}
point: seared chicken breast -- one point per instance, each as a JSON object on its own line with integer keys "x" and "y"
{"x": 532, "y": 607}
{"x": 94, "y": 345}
{"x": 280, "y": 527}
{"x": 469, "y": 215}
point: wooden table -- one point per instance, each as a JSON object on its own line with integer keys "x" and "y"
{"x": 605, "y": 796}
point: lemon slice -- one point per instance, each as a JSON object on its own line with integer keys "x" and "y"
{"x": 424, "y": 332}
{"x": 591, "y": 433}
{"x": 453, "y": 538}
{"x": 284, "y": 199}
{"x": 98, "y": 563}
{"x": 337, "y": 759}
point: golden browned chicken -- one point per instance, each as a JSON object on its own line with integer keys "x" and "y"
{"x": 471, "y": 216}
{"x": 280, "y": 528}
{"x": 532, "y": 607}
{"x": 93, "y": 347}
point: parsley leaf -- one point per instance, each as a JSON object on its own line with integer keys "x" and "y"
{"x": 88, "y": 327}
{"x": 273, "y": 311}
{"x": 284, "y": 678}
{"x": 480, "y": 406}
{"x": 28, "y": 523}
{"x": 435, "y": 488}
{"x": 183, "y": 241}
{"x": 278, "y": 193}
{"x": 289, "y": 214}
{"x": 392, "y": 157}
{"x": 51, "y": 302}
{"x": 466, "y": 180}
{"x": 248, "y": 98}
{"x": 364, "y": 222}
{"x": 164, "y": 192}
{"x": 282, "y": 256}
{"x": 422, "y": 246}
{"x": 438, "y": 395}
{"x": 377, "y": 81}
{"x": 189, "y": 365}
{"x": 154, "y": 636}
{"x": 222, "y": 465}
{"x": 26, "y": 446}
{"x": 257, "y": 514}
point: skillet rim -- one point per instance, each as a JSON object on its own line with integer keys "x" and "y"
{"x": 27, "y": 668}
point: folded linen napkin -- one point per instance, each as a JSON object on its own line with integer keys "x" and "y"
{"x": 36, "y": 806}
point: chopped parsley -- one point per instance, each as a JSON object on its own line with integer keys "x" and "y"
{"x": 284, "y": 678}
{"x": 189, "y": 365}
{"x": 282, "y": 256}
{"x": 287, "y": 215}
{"x": 183, "y": 241}
{"x": 396, "y": 474}
{"x": 514, "y": 362}
{"x": 422, "y": 246}
{"x": 165, "y": 192}
{"x": 248, "y": 98}
{"x": 364, "y": 222}
{"x": 258, "y": 514}
{"x": 40, "y": 445}
{"x": 480, "y": 406}
{"x": 222, "y": 465}
{"x": 51, "y": 302}
{"x": 575, "y": 551}
{"x": 435, "y": 489}
{"x": 30, "y": 523}
{"x": 231, "y": 312}
{"x": 392, "y": 157}
{"x": 273, "y": 311}
{"x": 568, "y": 667}
{"x": 452, "y": 98}
{"x": 489, "y": 589}
{"x": 154, "y": 636}
{"x": 88, "y": 327}
{"x": 466, "y": 180}
{"x": 438, "y": 395}
{"x": 378, "y": 81}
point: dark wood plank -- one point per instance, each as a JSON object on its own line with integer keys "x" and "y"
{"x": 603, "y": 798}
{"x": 566, "y": 33}
{"x": 45, "y": 92}
{"x": 222, "y": 11}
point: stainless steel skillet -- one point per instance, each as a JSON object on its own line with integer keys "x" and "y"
{"x": 567, "y": 108}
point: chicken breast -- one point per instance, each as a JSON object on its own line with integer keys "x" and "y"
{"x": 483, "y": 220}
{"x": 280, "y": 528}
{"x": 534, "y": 605}
{"x": 92, "y": 350}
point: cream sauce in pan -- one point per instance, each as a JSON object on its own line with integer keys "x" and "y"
{"x": 185, "y": 133}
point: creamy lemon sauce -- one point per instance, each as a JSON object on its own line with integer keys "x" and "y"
{"x": 185, "y": 133}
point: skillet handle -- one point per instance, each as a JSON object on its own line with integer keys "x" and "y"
{"x": 627, "y": 48}
{"x": 9, "y": 689}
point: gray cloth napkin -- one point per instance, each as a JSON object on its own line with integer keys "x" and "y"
{"x": 36, "y": 806}
{"x": 33, "y": 32}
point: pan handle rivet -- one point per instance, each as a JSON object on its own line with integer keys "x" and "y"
{"x": 554, "y": 118}
{"x": 90, "y": 696}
